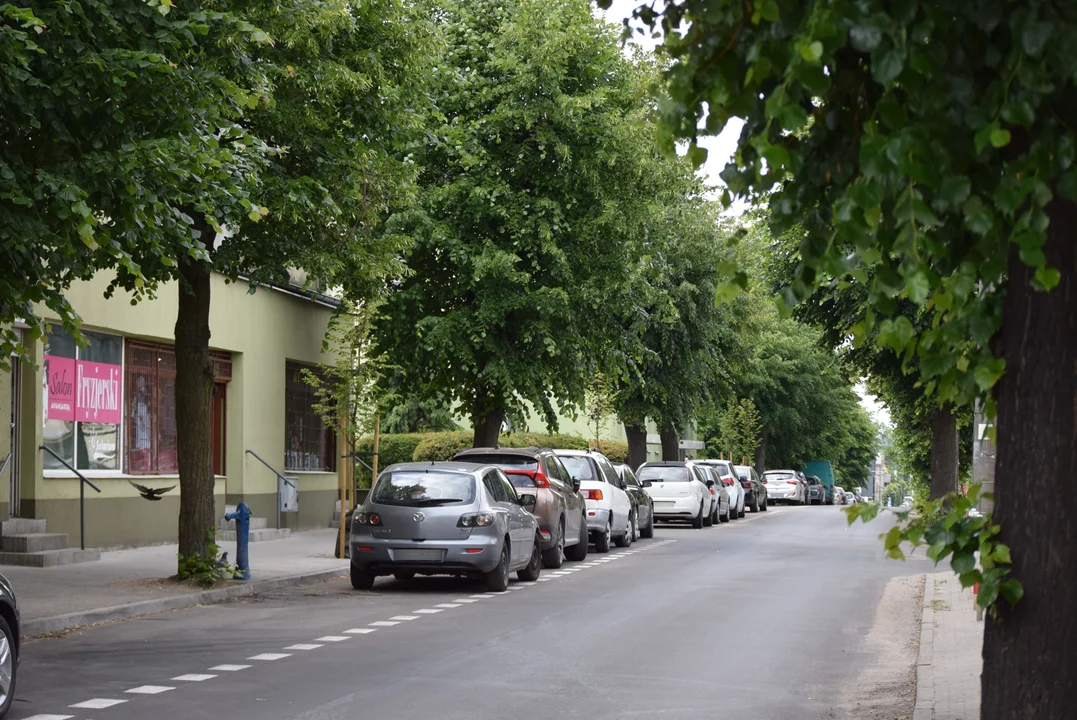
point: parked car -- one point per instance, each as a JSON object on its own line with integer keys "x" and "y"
{"x": 784, "y": 486}
{"x": 816, "y": 491}
{"x": 561, "y": 510}
{"x": 10, "y": 639}
{"x": 732, "y": 485}
{"x": 445, "y": 519}
{"x": 755, "y": 490}
{"x": 610, "y": 517}
{"x": 640, "y": 500}
{"x": 679, "y": 490}
{"x": 839, "y": 495}
{"x": 721, "y": 494}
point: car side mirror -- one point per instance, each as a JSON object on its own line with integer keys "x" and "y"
{"x": 575, "y": 484}
{"x": 710, "y": 483}
{"x": 645, "y": 483}
{"x": 528, "y": 500}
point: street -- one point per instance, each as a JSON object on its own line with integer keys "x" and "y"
{"x": 784, "y": 614}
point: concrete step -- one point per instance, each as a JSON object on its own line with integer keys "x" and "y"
{"x": 255, "y": 535}
{"x": 22, "y": 526}
{"x": 33, "y": 542}
{"x": 50, "y": 558}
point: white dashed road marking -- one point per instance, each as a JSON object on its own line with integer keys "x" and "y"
{"x": 405, "y": 617}
{"x": 230, "y": 668}
{"x": 304, "y": 646}
{"x": 427, "y": 611}
{"x": 384, "y": 623}
{"x": 269, "y": 657}
{"x": 446, "y": 605}
{"x": 465, "y": 600}
{"x": 360, "y": 631}
{"x": 150, "y": 690}
{"x": 97, "y": 704}
{"x": 50, "y": 717}
{"x": 332, "y": 638}
{"x": 193, "y": 677}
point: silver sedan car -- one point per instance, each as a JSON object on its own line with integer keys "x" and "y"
{"x": 445, "y": 519}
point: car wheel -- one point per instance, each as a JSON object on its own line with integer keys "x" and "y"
{"x": 403, "y": 575}
{"x": 555, "y": 556}
{"x": 602, "y": 541}
{"x": 697, "y": 522}
{"x": 708, "y": 519}
{"x": 648, "y": 530}
{"x": 763, "y": 507}
{"x": 534, "y": 567}
{"x": 9, "y": 667}
{"x": 497, "y": 580}
{"x": 361, "y": 579}
{"x": 623, "y": 540}
{"x": 740, "y": 513}
{"x": 578, "y": 551}
{"x": 755, "y": 504}
{"x": 635, "y": 527}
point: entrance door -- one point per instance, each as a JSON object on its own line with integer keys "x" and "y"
{"x": 13, "y": 463}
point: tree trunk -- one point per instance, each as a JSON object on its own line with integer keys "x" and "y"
{"x": 670, "y": 446}
{"x": 194, "y": 396}
{"x": 761, "y": 455}
{"x": 944, "y": 459}
{"x": 1030, "y": 661}
{"x": 488, "y": 428}
{"x": 637, "y": 445}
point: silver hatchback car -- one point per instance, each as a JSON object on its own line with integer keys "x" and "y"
{"x": 445, "y": 519}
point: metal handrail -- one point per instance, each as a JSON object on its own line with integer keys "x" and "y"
{"x": 7, "y": 461}
{"x": 281, "y": 476}
{"x": 82, "y": 495}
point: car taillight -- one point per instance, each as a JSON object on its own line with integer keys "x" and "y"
{"x": 365, "y": 518}
{"x": 475, "y": 520}
{"x": 541, "y": 481}
{"x": 790, "y": 482}
{"x": 746, "y": 484}
{"x": 727, "y": 482}
{"x": 592, "y": 494}
{"x": 764, "y": 481}
{"x": 712, "y": 491}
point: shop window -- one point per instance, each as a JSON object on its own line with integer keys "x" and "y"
{"x": 82, "y": 400}
{"x": 152, "y": 446}
{"x": 309, "y": 444}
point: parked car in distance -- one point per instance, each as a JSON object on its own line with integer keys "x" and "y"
{"x": 816, "y": 491}
{"x": 610, "y": 517}
{"x": 732, "y": 483}
{"x": 679, "y": 490}
{"x": 754, "y": 489}
{"x": 641, "y": 501}
{"x": 720, "y": 512}
{"x": 445, "y": 519}
{"x": 784, "y": 486}
{"x": 839, "y": 496}
{"x": 10, "y": 640}
{"x": 561, "y": 510}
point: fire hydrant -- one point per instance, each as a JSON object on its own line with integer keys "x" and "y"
{"x": 242, "y": 516}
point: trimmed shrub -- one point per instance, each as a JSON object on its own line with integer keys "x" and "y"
{"x": 441, "y": 446}
{"x": 526, "y": 439}
{"x": 391, "y": 449}
{"x": 615, "y": 450}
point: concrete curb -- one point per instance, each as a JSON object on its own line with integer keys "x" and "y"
{"x": 42, "y": 626}
{"x": 925, "y": 671}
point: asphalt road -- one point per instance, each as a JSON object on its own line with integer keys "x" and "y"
{"x": 767, "y": 617}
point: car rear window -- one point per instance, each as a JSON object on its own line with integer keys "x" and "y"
{"x": 424, "y": 489}
{"x": 659, "y": 473}
{"x": 502, "y": 460}
{"x": 579, "y": 467}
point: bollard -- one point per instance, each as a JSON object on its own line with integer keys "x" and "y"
{"x": 242, "y": 516}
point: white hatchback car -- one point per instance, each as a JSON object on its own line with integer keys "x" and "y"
{"x": 679, "y": 491}
{"x": 609, "y": 511}
{"x": 785, "y": 486}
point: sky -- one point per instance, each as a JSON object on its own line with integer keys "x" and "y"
{"x": 720, "y": 150}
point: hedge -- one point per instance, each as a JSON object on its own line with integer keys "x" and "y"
{"x": 442, "y": 446}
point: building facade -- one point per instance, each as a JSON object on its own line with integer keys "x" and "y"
{"x": 107, "y": 410}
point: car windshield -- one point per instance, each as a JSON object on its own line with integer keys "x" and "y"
{"x": 578, "y": 467}
{"x": 812, "y": 481}
{"x": 663, "y": 473}
{"x": 778, "y": 475}
{"x": 424, "y": 489}
{"x": 505, "y": 461}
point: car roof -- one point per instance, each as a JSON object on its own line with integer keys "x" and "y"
{"x": 579, "y": 453}
{"x": 529, "y": 451}
{"x": 780, "y": 470}
{"x": 666, "y": 463}
{"x": 462, "y": 467}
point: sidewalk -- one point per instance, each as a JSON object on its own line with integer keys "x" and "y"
{"x": 126, "y": 583}
{"x": 951, "y": 643}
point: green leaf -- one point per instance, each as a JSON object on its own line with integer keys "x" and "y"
{"x": 1047, "y": 277}
{"x": 978, "y": 217}
{"x": 768, "y": 10}
{"x": 1035, "y": 35}
{"x": 954, "y": 189}
{"x": 1067, "y": 185}
{"x": 777, "y": 158}
{"x": 1000, "y": 138}
{"x": 963, "y": 562}
{"x": 698, "y": 155}
{"x": 865, "y": 38}
{"x": 1001, "y": 554}
{"x": 896, "y": 333}
{"x": 1012, "y": 591}
{"x": 917, "y": 286}
{"x": 888, "y": 66}
{"x": 793, "y": 117}
{"x": 988, "y": 594}
{"x": 811, "y": 52}
{"x": 872, "y": 216}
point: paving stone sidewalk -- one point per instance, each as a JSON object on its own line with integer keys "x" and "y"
{"x": 951, "y": 645}
{"x": 125, "y": 583}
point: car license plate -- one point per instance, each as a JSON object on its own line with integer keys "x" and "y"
{"x": 661, "y": 504}
{"x": 423, "y": 555}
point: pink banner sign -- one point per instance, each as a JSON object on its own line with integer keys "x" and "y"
{"x": 60, "y": 382}
{"x": 98, "y": 389}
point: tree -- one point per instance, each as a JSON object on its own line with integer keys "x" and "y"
{"x": 193, "y": 141}
{"x": 598, "y": 401}
{"x": 737, "y": 431}
{"x": 527, "y": 169}
{"x": 927, "y": 150}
